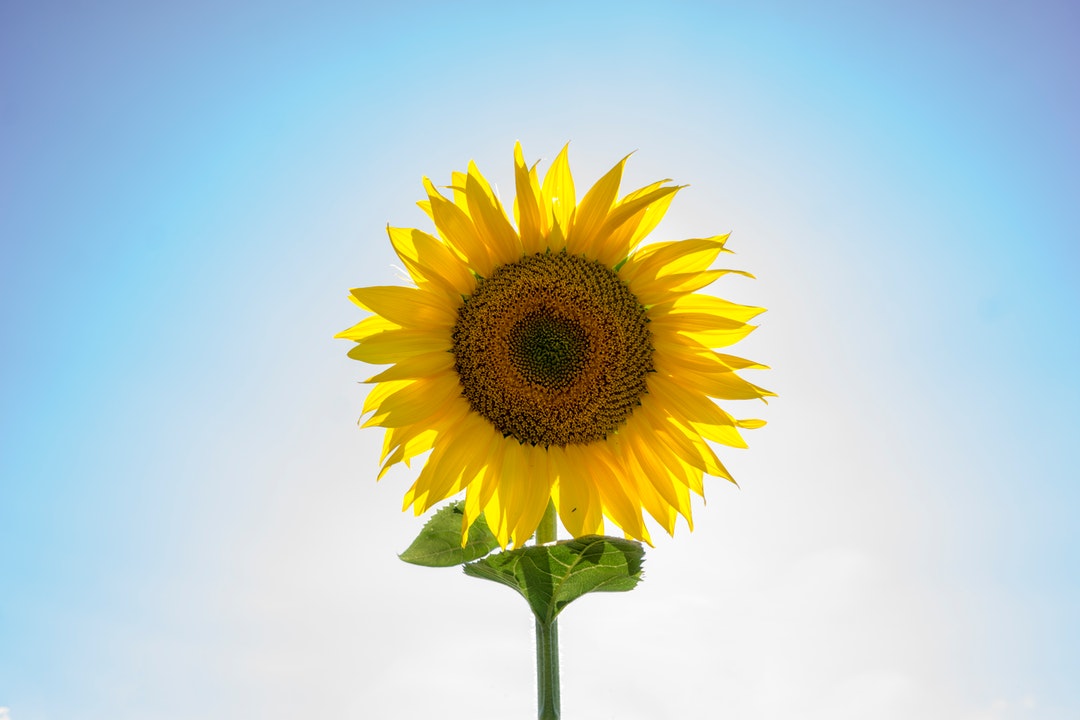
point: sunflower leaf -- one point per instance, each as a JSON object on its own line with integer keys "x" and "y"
{"x": 439, "y": 543}
{"x": 550, "y": 577}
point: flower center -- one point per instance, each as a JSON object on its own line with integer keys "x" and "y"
{"x": 548, "y": 349}
{"x": 553, "y": 349}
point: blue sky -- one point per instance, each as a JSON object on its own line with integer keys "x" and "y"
{"x": 189, "y": 523}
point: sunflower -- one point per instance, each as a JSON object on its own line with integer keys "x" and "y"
{"x": 555, "y": 362}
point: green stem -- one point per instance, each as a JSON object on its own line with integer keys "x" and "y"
{"x": 547, "y": 670}
{"x": 548, "y": 529}
{"x": 547, "y": 639}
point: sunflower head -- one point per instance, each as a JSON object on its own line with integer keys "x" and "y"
{"x": 553, "y": 358}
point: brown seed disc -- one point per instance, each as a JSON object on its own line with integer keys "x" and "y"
{"x": 553, "y": 349}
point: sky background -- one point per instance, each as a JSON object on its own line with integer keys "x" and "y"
{"x": 189, "y": 520}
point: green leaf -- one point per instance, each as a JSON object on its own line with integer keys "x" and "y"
{"x": 439, "y": 543}
{"x": 549, "y": 577}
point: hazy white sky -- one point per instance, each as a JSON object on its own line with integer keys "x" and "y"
{"x": 189, "y": 523}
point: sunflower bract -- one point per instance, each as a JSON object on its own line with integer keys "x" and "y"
{"x": 552, "y": 358}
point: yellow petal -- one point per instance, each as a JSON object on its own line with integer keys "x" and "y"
{"x": 693, "y": 356}
{"x": 479, "y": 493}
{"x": 449, "y": 459}
{"x": 528, "y": 205}
{"x": 406, "y": 306}
{"x": 724, "y": 386}
{"x": 502, "y": 467}
{"x": 502, "y": 240}
{"x": 457, "y": 185}
{"x": 659, "y": 201}
{"x": 404, "y": 452}
{"x": 558, "y": 190}
{"x": 660, "y": 509}
{"x": 458, "y": 230}
{"x": 367, "y": 327}
{"x": 709, "y": 330}
{"x": 698, "y": 410}
{"x": 476, "y": 429}
{"x": 403, "y": 444}
{"x": 662, "y": 469}
{"x": 533, "y": 496}
{"x": 676, "y": 438}
{"x": 391, "y": 346}
{"x": 377, "y": 394}
{"x": 738, "y": 363}
{"x": 608, "y": 473}
{"x": 575, "y": 496}
{"x": 417, "y": 366}
{"x": 593, "y": 211}
{"x": 429, "y": 260}
{"x": 420, "y": 402}
{"x": 631, "y": 220}
{"x": 697, "y": 304}
{"x": 671, "y": 258}
{"x": 659, "y": 290}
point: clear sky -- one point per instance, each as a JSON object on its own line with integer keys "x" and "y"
{"x": 189, "y": 521}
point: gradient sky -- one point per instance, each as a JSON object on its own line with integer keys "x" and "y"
{"x": 189, "y": 523}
